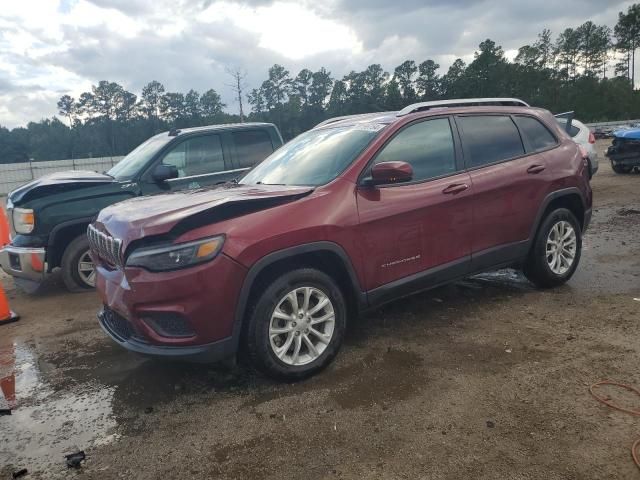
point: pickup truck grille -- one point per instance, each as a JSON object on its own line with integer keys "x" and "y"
{"x": 10, "y": 220}
{"x": 105, "y": 246}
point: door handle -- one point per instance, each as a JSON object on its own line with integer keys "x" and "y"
{"x": 535, "y": 169}
{"x": 456, "y": 188}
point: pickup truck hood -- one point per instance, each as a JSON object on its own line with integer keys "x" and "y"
{"x": 58, "y": 183}
{"x": 182, "y": 211}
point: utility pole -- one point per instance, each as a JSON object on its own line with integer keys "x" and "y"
{"x": 238, "y": 86}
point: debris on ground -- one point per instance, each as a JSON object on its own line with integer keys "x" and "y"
{"x": 628, "y": 211}
{"x": 75, "y": 459}
{"x": 5, "y": 411}
{"x": 490, "y": 424}
{"x": 19, "y": 473}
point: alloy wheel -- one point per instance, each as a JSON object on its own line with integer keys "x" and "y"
{"x": 301, "y": 326}
{"x": 87, "y": 270}
{"x": 561, "y": 247}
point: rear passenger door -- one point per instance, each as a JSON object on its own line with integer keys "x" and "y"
{"x": 250, "y": 147}
{"x": 505, "y": 158}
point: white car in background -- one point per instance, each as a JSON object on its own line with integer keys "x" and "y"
{"x": 584, "y": 137}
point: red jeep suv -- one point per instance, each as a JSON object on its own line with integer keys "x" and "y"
{"x": 356, "y": 212}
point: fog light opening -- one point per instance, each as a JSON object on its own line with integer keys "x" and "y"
{"x": 168, "y": 324}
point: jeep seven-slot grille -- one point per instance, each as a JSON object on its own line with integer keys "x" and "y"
{"x": 105, "y": 246}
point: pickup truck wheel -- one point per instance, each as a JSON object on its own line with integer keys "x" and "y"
{"x": 556, "y": 250}
{"x": 78, "y": 270}
{"x": 621, "y": 168}
{"x": 297, "y": 325}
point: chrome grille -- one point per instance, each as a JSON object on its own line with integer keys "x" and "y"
{"x": 105, "y": 246}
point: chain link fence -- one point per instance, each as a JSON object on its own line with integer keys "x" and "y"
{"x": 13, "y": 175}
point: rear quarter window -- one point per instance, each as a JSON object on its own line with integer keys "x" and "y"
{"x": 252, "y": 146}
{"x": 489, "y": 139}
{"x": 537, "y": 137}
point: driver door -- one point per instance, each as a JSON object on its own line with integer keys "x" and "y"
{"x": 201, "y": 161}
{"x": 420, "y": 230}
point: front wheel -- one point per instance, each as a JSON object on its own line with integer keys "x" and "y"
{"x": 621, "y": 168}
{"x": 556, "y": 250}
{"x": 297, "y": 325}
{"x": 78, "y": 270}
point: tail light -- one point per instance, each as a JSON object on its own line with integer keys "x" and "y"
{"x": 592, "y": 138}
{"x": 585, "y": 161}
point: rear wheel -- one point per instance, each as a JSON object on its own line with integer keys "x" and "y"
{"x": 621, "y": 168}
{"x": 556, "y": 250}
{"x": 297, "y": 325}
{"x": 78, "y": 270}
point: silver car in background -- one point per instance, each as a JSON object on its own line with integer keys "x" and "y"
{"x": 584, "y": 137}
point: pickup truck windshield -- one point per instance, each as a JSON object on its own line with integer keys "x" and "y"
{"x": 313, "y": 158}
{"x": 130, "y": 166}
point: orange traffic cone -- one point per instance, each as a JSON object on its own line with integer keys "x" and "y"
{"x": 6, "y": 315}
{"x": 8, "y": 388}
{"x": 8, "y": 382}
{"x": 4, "y": 229}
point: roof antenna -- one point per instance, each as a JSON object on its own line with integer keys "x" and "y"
{"x": 174, "y": 132}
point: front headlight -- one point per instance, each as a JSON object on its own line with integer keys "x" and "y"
{"x": 23, "y": 220}
{"x": 174, "y": 257}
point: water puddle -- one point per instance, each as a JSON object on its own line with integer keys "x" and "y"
{"x": 44, "y": 423}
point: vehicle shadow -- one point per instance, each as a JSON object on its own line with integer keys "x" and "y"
{"x": 439, "y": 307}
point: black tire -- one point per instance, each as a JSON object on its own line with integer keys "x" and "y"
{"x": 537, "y": 268}
{"x": 69, "y": 265}
{"x": 257, "y": 340}
{"x": 621, "y": 168}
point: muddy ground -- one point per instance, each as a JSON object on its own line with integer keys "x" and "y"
{"x": 484, "y": 379}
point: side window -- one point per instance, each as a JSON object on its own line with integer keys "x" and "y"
{"x": 537, "y": 135}
{"x": 197, "y": 156}
{"x": 427, "y": 146}
{"x": 252, "y": 146}
{"x": 573, "y": 130}
{"x": 489, "y": 139}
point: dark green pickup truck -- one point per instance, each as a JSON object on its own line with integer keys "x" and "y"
{"x": 49, "y": 216}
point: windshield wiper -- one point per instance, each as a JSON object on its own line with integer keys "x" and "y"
{"x": 107, "y": 174}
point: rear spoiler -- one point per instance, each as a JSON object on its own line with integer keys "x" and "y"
{"x": 569, "y": 116}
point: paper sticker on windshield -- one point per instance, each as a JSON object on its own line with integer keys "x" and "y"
{"x": 369, "y": 127}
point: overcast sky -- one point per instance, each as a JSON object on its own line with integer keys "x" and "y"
{"x": 49, "y": 48}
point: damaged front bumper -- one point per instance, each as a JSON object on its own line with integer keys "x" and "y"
{"x": 181, "y": 314}
{"x": 208, "y": 353}
{"x": 24, "y": 263}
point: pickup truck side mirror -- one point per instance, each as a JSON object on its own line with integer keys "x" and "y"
{"x": 164, "y": 172}
{"x": 386, "y": 173}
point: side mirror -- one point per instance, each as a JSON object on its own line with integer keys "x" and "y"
{"x": 385, "y": 173}
{"x": 164, "y": 172}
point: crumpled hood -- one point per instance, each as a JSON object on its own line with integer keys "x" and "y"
{"x": 159, "y": 214}
{"x": 57, "y": 183}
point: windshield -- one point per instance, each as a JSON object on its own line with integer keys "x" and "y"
{"x": 130, "y": 166}
{"x": 313, "y": 158}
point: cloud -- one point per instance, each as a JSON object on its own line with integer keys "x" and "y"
{"x": 53, "y": 47}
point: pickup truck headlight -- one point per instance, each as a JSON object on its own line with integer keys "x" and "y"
{"x": 174, "y": 257}
{"x": 23, "y": 220}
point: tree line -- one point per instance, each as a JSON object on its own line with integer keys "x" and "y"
{"x": 569, "y": 72}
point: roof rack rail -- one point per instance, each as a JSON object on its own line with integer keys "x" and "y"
{"x": 462, "y": 102}
{"x": 329, "y": 121}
